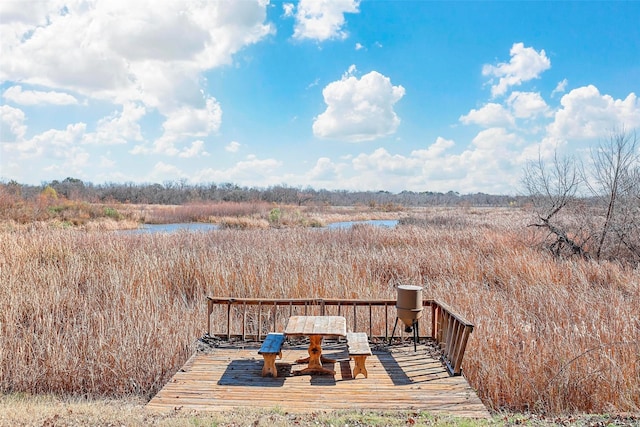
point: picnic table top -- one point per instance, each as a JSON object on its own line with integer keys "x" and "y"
{"x": 316, "y": 325}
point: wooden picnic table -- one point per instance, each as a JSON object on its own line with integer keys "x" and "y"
{"x": 316, "y": 328}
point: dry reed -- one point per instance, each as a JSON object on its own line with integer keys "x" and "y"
{"x": 107, "y": 314}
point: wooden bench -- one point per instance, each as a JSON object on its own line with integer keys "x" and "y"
{"x": 271, "y": 347}
{"x": 359, "y": 349}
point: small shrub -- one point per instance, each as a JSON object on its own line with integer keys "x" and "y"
{"x": 275, "y": 215}
{"x": 49, "y": 193}
{"x": 112, "y": 213}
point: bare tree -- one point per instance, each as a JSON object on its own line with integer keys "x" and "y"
{"x": 628, "y": 227}
{"x": 615, "y": 167}
{"x": 604, "y": 225}
{"x": 551, "y": 190}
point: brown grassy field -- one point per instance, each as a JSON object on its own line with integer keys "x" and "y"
{"x": 102, "y": 314}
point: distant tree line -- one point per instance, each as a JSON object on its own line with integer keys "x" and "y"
{"x": 588, "y": 210}
{"x": 180, "y": 192}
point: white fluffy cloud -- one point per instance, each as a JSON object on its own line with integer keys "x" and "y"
{"x": 287, "y": 9}
{"x": 526, "y": 64}
{"x": 181, "y": 124}
{"x": 561, "y": 87}
{"x": 196, "y": 149}
{"x": 527, "y": 104}
{"x": 324, "y": 171}
{"x": 119, "y": 127}
{"x": 194, "y": 121}
{"x": 490, "y": 114}
{"x": 321, "y": 19}
{"x": 489, "y": 163}
{"x": 585, "y": 113}
{"x": 60, "y": 144}
{"x": 245, "y": 172}
{"x": 519, "y": 106}
{"x": 165, "y": 172}
{"x": 12, "y": 125}
{"x": 125, "y": 51}
{"x": 359, "y": 109}
{"x": 545, "y": 149}
{"x": 384, "y": 162}
{"x": 141, "y": 59}
{"x": 26, "y": 13}
{"x": 16, "y": 95}
{"x": 420, "y": 170}
{"x": 232, "y": 147}
{"x": 63, "y": 147}
{"x": 435, "y": 150}
{"x": 495, "y": 141}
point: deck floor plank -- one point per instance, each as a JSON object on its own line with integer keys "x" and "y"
{"x": 230, "y": 377}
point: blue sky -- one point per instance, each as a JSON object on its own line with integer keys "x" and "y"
{"x": 331, "y": 94}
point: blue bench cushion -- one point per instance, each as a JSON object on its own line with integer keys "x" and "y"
{"x": 272, "y": 343}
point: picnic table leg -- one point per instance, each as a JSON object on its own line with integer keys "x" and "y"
{"x": 315, "y": 358}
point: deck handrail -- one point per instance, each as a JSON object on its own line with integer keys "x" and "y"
{"x": 448, "y": 329}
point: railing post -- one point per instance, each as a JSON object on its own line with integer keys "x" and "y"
{"x": 259, "y": 333}
{"x": 229, "y": 321}
{"x": 355, "y": 318}
{"x": 441, "y": 322}
{"x": 456, "y": 336}
{"x": 450, "y": 332}
{"x": 370, "y": 321}
{"x": 433, "y": 321}
{"x": 275, "y": 316}
{"x": 244, "y": 320}
{"x": 209, "y": 311}
{"x": 457, "y": 364}
{"x": 386, "y": 323}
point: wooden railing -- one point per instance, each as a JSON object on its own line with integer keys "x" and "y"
{"x": 451, "y": 331}
{"x": 252, "y": 319}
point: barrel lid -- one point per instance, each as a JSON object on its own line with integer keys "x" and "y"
{"x": 410, "y": 287}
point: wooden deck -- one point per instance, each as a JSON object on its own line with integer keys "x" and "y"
{"x": 229, "y": 377}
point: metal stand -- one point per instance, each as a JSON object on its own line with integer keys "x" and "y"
{"x": 414, "y": 327}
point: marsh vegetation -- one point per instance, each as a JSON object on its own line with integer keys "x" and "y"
{"x": 93, "y": 314}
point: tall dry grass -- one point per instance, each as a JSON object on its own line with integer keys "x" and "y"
{"x": 109, "y": 314}
{"x": 195, "y": 212}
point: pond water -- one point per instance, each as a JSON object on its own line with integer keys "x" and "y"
{"x": 202, "y": 227}
{"x": 174, "y": 228}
